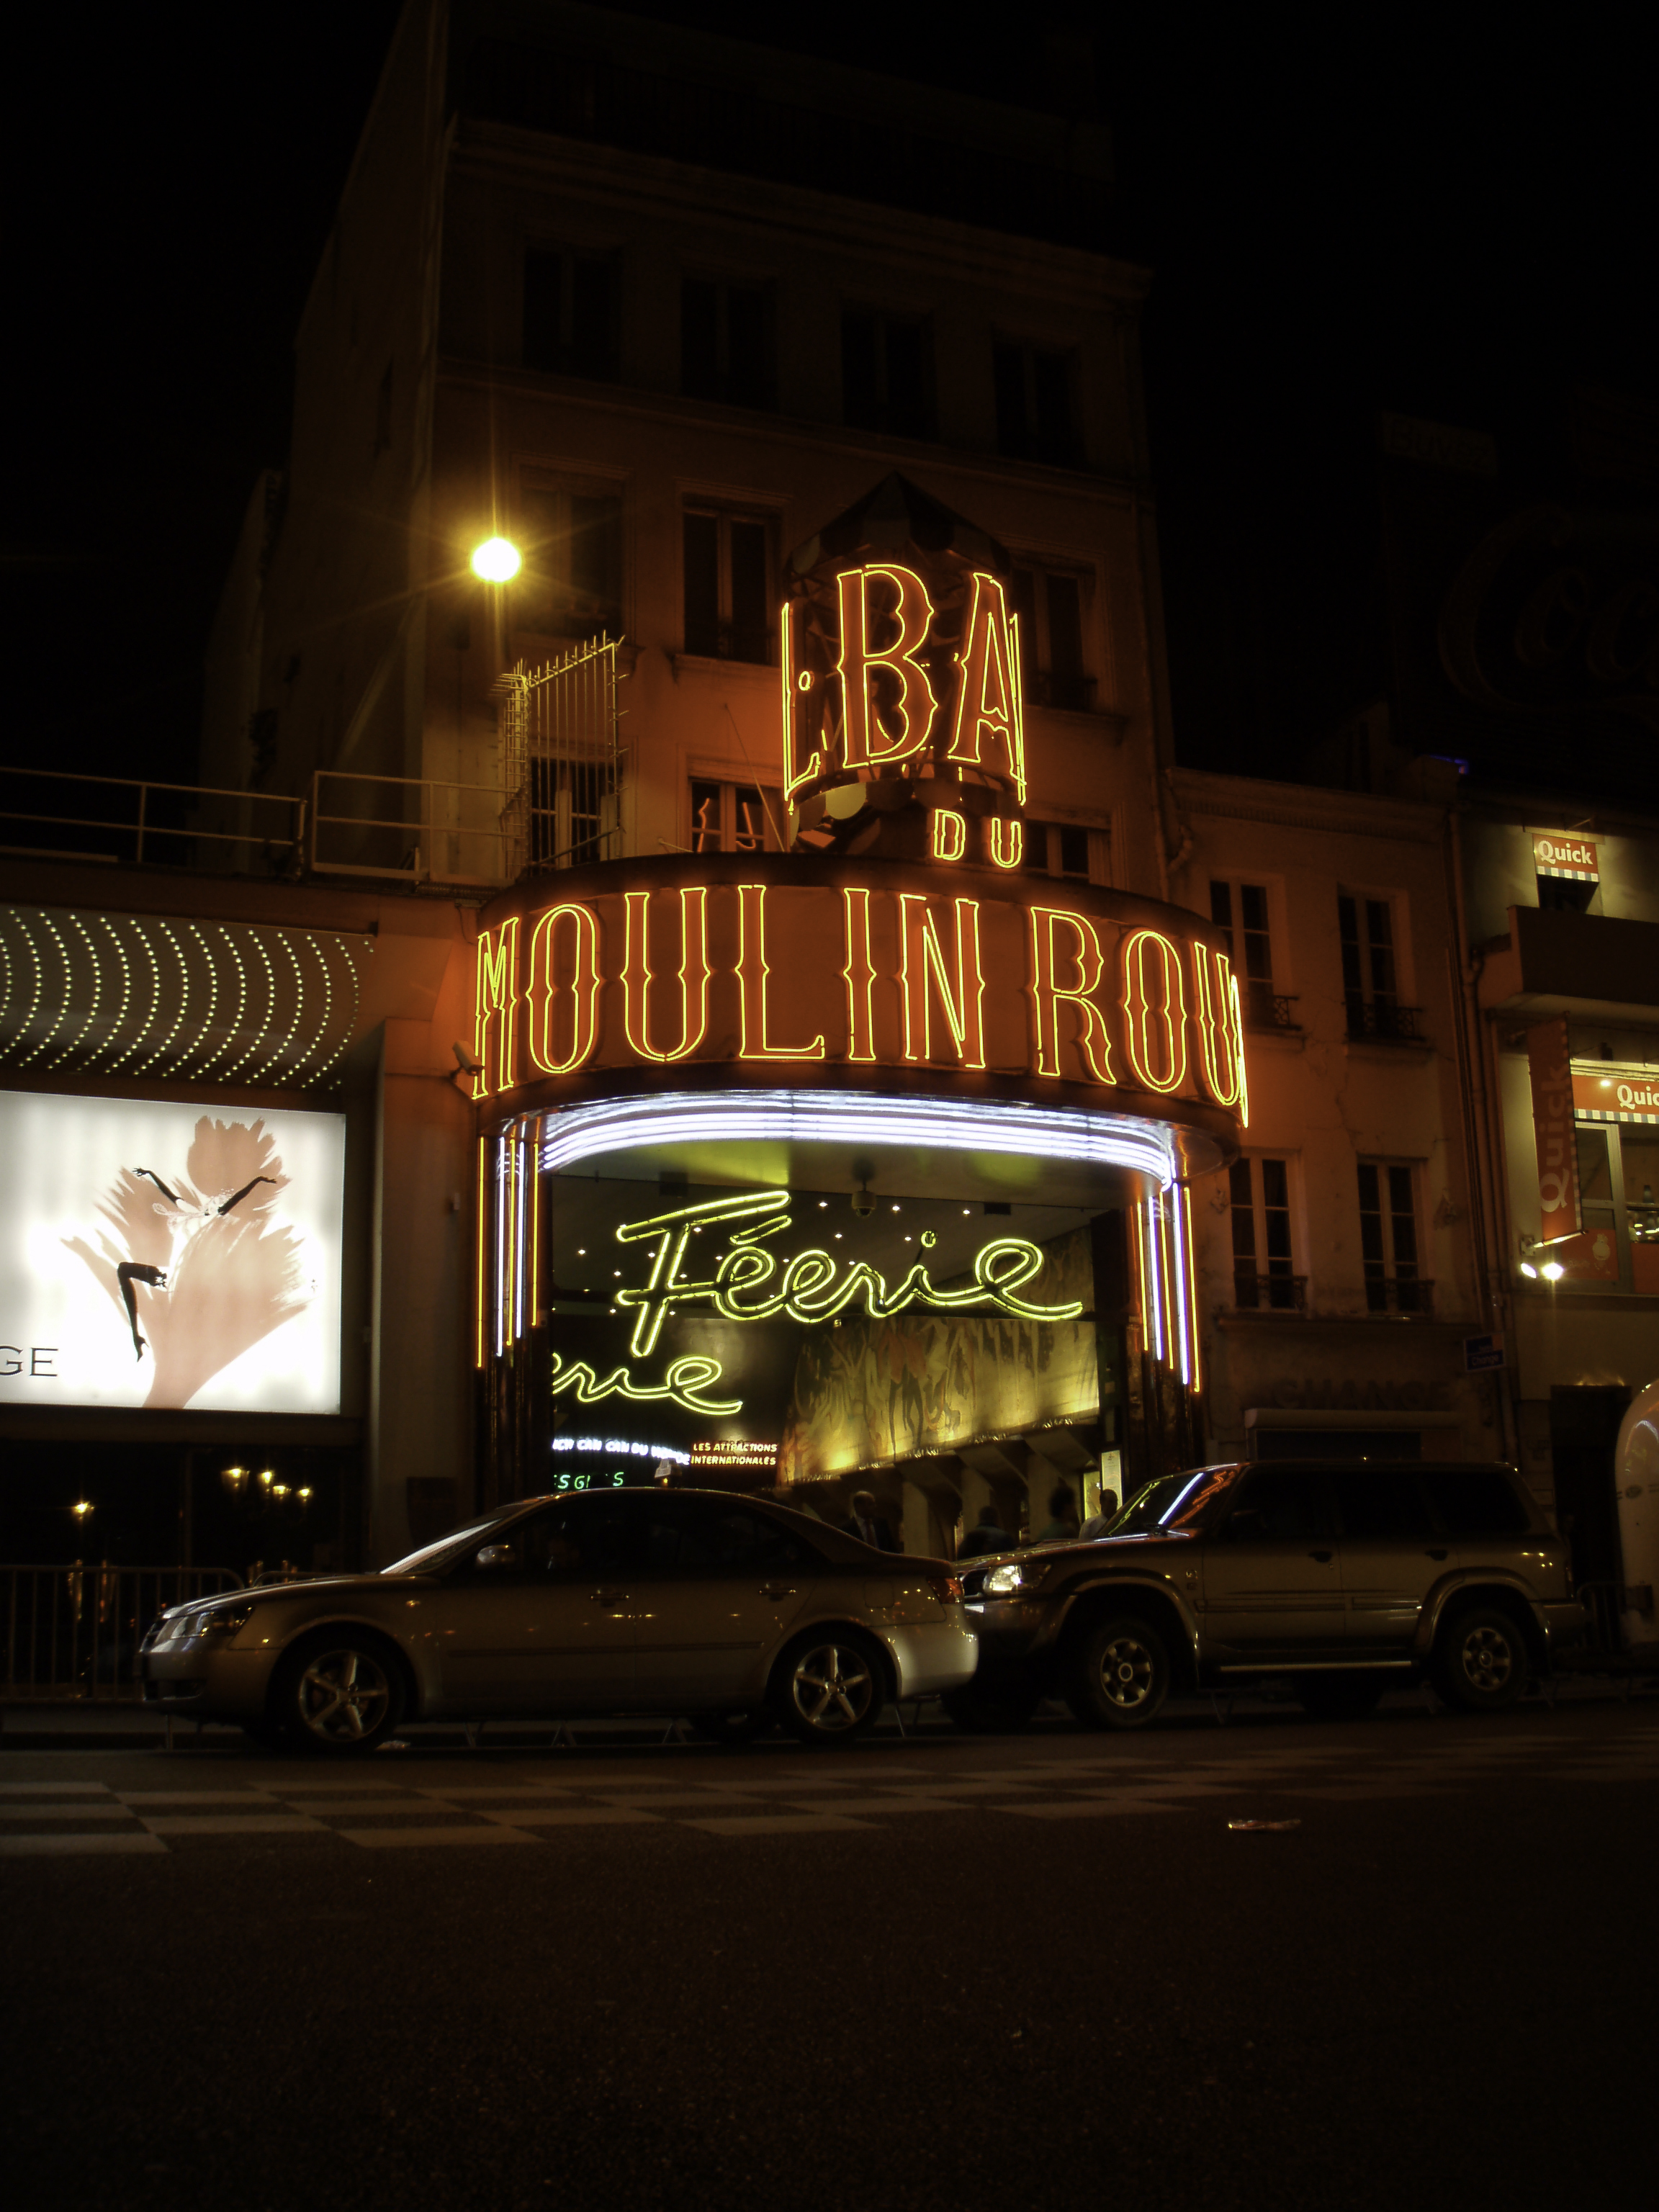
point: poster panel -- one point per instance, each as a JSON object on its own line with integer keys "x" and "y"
{"x": 160, "y": 1254}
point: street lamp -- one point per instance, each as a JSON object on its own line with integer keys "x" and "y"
{"x": 497, "y": 561}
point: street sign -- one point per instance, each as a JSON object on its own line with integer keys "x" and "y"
{"x": 1483, "y": 1353}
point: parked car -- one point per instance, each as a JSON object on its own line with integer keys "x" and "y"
{"x": 1343, "y": 1579}
{"x": 650, "y": 1601}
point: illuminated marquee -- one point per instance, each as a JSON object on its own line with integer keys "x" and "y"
{"x": 1116, "y": 1000}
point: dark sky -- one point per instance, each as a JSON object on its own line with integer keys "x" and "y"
{"x": 1449, "y": 214}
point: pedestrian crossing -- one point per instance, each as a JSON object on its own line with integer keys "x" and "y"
{"x": 438, "y": 1804}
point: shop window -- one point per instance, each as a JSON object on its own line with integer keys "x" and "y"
{"x": 571, "y": 584}
{"x": 1052, "y": 604}
{"x": 1618, "y": 1246}
{"x": 733, "y": 817}
{"x": 1264, "y": 1263}
{"x": 1036, "y": 416}
{"x": 727, "y": 570}
{"x": 887, "y": 372}
{"x": 1388, "y": 1239}
{"x": 571, "y": 312}
{"x": 1242, "y": 911}
{"x": 725, "y": 342}
{"x": 1371, "y": 988}
{"x": 1066, "y": 848}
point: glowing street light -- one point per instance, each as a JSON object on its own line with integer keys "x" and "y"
{"x": 496, "y": 560}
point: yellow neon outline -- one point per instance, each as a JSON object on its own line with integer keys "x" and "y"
{"x": 675, "y": 1230}
{"x": 942, "y": 819}
{"x": 860, "y": 1033}
{"x": 1094, "y": 1043}
{"x": 1016, "y": 841}
{"x": 482, "y": 1231}
{"x": 637, "y": 976}
{"x": 967, "y": 1026}
{"x": 495, "y": 1002}
{"x": 1211, "y": 1030}
{"x": 752, "y": 990}
{"x": 989, "y": 636}
{"x": 683, "y": 1378}
{"x": 1138, "y": 1010}
{"x": 541, "y": 992}
{"x": 1186, "y": 1209}
{"x": 859, "y": 720}
{"x": 1244, "y": 1072}
{"x": 793, "y": 777}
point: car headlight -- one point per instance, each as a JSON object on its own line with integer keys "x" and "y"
{"x": 223, "y": 1620}
{"x": 1006, "y": 1581}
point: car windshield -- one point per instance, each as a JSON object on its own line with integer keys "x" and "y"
{"x": 431, "y": 1555}
{"x": 1174, "y": 1503}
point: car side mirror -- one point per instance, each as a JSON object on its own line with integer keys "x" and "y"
{"x": 494, "y": 1555}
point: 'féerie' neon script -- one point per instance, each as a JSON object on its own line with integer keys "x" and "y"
{"x": 750, "y": 1281}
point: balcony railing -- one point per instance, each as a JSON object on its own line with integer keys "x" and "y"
{"x": 1399, "y": 1294}
{"x": 1270, "y": 1294}
{"x": 1267, "y": 1009}
{"x": 65, "y": 815}
{"x": 1381, "y": 1021}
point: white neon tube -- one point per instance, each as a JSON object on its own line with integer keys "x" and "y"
{"x": 977, "y": 1125}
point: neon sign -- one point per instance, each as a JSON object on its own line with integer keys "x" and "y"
{"x": 749, "y": 1281}
{"x": 795, "y": 965}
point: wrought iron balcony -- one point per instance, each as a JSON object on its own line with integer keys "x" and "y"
{"x": 1400, "y": 1294}
{"x": 1269, "y": 1293}
{"x": 1383, "y": 1021}
{"x": 1267, "y": 1009}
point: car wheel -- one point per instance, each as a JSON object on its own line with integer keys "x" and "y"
{"x": 1338, "y": 1697}
{"x": 830, "y": 1689}
{"x": 1480, "y": 1661}
{"x": 730, "y": 1728}
{"x": 339, "y": 1694}
{"x": 1119, "y": 1673}
{"x": 990, "y": 1712}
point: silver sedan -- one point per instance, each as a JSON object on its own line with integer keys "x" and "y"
{"x": 729, "y": 1611}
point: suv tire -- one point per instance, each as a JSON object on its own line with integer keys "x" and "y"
{"x": 1119, "y": 1673}
{"x": 1480, "y": 1660}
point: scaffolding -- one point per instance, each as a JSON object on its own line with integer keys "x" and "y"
{"x": 561, "y": 760}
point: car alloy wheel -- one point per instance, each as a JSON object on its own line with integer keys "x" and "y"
{"x": 1120, "y": 1674}
{"x": 344, "y": 1699}
{"x": 1483, "y": 1662}
{"x": 831, "y": 1694}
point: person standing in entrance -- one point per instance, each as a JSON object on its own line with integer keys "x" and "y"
{"x": 1062, "y": 1521}
{"x": 867, "y": 1524}
{"x": 990, "y": 1536}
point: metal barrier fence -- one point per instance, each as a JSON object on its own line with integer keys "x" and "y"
{"x": 75, "y": 1632}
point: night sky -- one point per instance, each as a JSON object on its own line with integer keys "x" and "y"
{"x": 1448, "y": 214}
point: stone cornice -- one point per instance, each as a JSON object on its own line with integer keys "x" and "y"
{"x": 1306, "y": 806}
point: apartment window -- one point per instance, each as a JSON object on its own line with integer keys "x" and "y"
{"x": 887, "y": 372}
{"x": 1035, "y": 414}
{"x": 1050, "y": 603}
{"x": 733, "y": 817}
{"x": 572, "y": 813}
{"x": 727, "y": 561}
{"x": 725, "y": 342}
{"x": 1264, "y": 1266}
{"x": 571, "y": 312}
{"x": 1388, "y": 1239}
{"x": 1062, "y": 848}
{"x": 571, "y": 584}
{"x": 1240, "y": 909}
{"x": 1370, "y": 987}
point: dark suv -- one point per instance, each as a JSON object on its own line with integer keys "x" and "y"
{"x": 1342, "y": 1578}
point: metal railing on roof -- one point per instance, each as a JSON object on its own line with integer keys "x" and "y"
{"x": 124, "y": 828}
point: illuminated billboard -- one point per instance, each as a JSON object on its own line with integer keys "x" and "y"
{"x": 166, "y": 1255}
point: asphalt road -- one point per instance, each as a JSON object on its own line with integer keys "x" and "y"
{"x": 1016, "y": 1972}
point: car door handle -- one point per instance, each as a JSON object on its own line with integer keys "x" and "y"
{"x": 1323, "y": 1557}
{"x": 777, "y": 1589}
{"x": 1440, "y": 1555}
